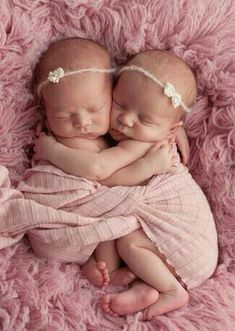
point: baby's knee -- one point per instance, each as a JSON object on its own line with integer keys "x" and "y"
{"x": 124, "y": 245}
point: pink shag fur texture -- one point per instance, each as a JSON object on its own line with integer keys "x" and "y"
{"x": 36, "y": 295}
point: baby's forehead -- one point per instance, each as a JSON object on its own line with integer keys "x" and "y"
{"x": 163, "y": 65}
{"x": 90, "y": 86}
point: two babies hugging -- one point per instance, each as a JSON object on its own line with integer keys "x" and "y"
{"x": 119, "y": 135}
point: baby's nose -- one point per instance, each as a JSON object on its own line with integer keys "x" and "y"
{"x": 127, "y": 119}
{"x": 81, "y": 121}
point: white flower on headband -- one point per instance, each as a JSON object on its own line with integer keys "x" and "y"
{"x": 170, "y": 92}
{"x": 54, "y": 76}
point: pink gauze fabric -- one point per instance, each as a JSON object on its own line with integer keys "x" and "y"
{"x": 40, "y": 295}
{"x": 171, "y": 209}
{"x": 71, "y": 235}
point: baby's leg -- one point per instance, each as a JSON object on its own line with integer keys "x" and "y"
{"x": 107, "y": 253}
{"x": 144, "y": 260}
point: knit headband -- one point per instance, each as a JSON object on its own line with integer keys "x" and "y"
{"x": 168, "y": 88}
{"x": 55, "y": 75}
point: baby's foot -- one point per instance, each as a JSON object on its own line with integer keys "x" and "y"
{"x": 167, "y": 302}
{"x": 138, "y": 297}
{"x": 96, "y": 273}
{"x": 122, "y": 277}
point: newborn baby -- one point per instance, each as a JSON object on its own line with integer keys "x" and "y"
{"x": 153, "y": 91}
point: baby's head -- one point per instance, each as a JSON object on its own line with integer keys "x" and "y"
{"x": 141, "y": 108}
{"x": 76, "y": 104}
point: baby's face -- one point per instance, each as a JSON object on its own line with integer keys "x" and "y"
{"x": 79, "y": 106}
{"x": 140, "y": 110}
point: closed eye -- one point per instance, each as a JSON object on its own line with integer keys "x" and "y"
{"x": 145, "y": 120}
{"x": 118, "y": 106}
{"x": 64, "y": 117}
{"x": 95, "y": 109}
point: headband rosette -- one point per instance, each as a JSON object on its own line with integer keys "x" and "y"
{"x": 56, "y": 75}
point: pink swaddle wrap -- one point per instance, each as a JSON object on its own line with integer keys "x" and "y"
{"x": 171, "y": 209}
{"x": 56, "y": 231}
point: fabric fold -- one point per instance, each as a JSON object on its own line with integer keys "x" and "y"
{"x": 66, "y": 217}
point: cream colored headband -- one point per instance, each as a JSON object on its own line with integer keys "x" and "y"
{"x": 168, "y": 88}
{"x": 55, "y": 75}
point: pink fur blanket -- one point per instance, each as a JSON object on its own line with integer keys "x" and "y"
{"x": 40, "y": 295}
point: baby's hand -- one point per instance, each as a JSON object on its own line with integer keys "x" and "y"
{"x": 43, "y": 147}
{"x": 162, "y": 159}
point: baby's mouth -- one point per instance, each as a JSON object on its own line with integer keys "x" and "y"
{"x": 114, "y": 130}
{"x": 117, "y": 133}
{"x": 89, "y": 135}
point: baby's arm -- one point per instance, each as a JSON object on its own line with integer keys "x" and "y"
{"x": 159, "y": 160}
{"x": 91, "y": 165}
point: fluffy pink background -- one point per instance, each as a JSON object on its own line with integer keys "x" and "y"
{"x": 36, "y": 295}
